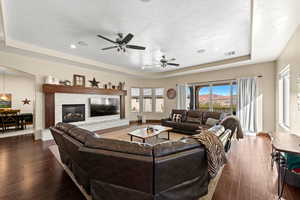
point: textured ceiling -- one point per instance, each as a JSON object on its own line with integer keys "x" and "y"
{"x": 173, "y": 27}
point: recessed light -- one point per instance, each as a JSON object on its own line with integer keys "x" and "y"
{"x": 73, "y": 46}
{"x": 82, "y": 43}
{"x": 201, "y": 51}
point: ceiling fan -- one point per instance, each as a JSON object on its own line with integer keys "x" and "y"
{"x": 164, "y": 62}
{"x": 121, "y": 43}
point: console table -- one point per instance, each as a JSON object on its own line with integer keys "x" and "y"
{"x": 284, "y": 143}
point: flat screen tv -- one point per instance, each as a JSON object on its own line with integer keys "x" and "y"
{"x": 103, "y": 106}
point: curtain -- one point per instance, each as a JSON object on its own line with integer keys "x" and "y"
{"x": 247, "y": 104}
{"x": 181, "y": 96}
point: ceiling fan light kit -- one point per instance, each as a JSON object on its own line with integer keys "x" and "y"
{"x": 121, "y": 43}
{"x": 164, "y": 62}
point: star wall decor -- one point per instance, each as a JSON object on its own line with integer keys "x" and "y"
{"x": 94, "y": 83}
{"x": 26, "y": 101}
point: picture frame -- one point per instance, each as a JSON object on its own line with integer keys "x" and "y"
{"x": 78, "y": 80}
{"x": 5, "y": 100}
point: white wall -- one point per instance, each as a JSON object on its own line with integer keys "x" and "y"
{"x": 20, "y": 87}
{"x": 290, "y": 56}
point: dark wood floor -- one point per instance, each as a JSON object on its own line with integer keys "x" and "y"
{"x": 248, "y": 175}
{"x": 28, "y": 170}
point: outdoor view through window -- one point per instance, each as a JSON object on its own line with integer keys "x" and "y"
{"x": 219, "y": 97}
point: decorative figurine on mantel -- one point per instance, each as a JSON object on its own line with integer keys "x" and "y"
{"x": 109, "y": 85}
{"x": 65, "y": 83}
{"x": 121, "y": 85}
{"x": 94, "y": 83}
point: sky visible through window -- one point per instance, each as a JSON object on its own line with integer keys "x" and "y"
{"x": 223, "y": 90}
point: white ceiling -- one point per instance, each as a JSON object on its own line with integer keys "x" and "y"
{"x": 173, "y": 27}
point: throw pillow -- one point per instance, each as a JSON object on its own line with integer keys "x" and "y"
{"x": 217, "y": 130}
{"x": 223, "y": 115}
{"x": 177, "y": 117}
{"x": 211, "y": 122}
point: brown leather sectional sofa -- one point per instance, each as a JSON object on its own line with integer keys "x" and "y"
{"x": 191, "y": 121}
{"x": 112, "y": 169}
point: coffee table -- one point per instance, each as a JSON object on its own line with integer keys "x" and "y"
{"x": 142, "y": 133}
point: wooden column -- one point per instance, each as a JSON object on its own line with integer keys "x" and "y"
{"x": 122, "y": 106}
{"x": 49, "y": 110}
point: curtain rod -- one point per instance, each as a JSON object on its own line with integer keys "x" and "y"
{"x": 193, "y": 83}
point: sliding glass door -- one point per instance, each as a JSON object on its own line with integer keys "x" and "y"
{"x": 216, "y": 96}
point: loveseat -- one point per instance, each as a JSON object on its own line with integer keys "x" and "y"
{"x": 111, "y": 169}
{"x": 192, "y": 120}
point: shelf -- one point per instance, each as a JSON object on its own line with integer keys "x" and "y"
{"x": 50, "y": 88}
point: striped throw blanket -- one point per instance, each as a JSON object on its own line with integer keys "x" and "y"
{"x": 214, "y": 149}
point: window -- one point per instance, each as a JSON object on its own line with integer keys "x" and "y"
{"x": 135, "y": 99}
{"x": 204, "y": 97}
{"x": 284, "y": 98}
{"x": 221, "y": 97}
{"x": 218, "y": 97}
{"x": 159, "y": 99}
{"x": 147, "y": 99}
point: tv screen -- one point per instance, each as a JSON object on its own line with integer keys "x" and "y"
{"x": 103, "y": 106}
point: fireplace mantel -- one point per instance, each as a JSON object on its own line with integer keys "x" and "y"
{"x": 50, "y": 90}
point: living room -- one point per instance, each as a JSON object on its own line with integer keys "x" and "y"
{"x": 141, "y": 87}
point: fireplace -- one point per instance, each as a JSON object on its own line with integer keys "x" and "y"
{"x": 73, "y": 113}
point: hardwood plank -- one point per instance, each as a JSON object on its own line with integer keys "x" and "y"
{"x": 248, "y": 174}
{"x": 30, "y": 171}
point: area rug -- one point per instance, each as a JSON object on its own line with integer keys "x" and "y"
{"x": 54, "y": 149}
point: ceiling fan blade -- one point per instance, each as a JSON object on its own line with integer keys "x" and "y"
{"x": 173, "y": 64}
{"x": 135, "y": 47}
{"x": 107, "y": 39}
{"x": 172, "y": 59}
{"x": 107, "y": 48}
{"x": 127, "y": 39}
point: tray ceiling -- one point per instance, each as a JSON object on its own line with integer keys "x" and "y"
{"x": 177, "y": 28}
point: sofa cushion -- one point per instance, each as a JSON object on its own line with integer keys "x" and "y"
{"x": 64, "y": 126}
{"x": 79, "y": 134}
{"x": 119, "y": 146}
{"x": 195, "y": 113}
{"x": 212, "y": 122}
{"x": 169, "y": 123}
{"x": 188, "y": 126}
{"x": 214, "y": 115}
{"x": 170, "y": 147}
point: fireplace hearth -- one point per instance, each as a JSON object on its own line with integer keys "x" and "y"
{"x": 73, "y": 113}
